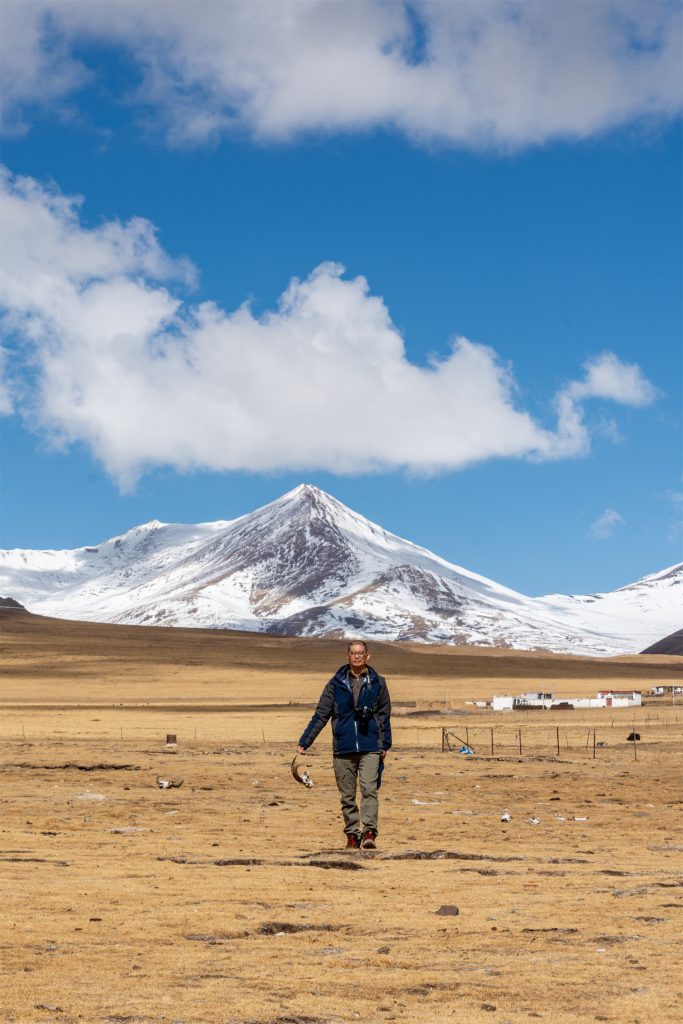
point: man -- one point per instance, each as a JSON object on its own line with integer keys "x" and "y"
{"x": 357, "y": 700}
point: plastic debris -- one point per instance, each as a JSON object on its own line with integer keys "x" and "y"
{"x": 506, "y": 816}
{"x": 534, "y": 821}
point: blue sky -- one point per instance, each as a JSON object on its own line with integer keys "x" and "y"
{"x": 495, "y": 373}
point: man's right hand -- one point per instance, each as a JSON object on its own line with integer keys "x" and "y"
{"x": 300, "y": 749}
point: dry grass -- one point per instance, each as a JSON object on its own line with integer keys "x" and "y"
{"x": 121, "y": 904}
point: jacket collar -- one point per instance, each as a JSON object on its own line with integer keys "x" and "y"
{"x": 341, "y": 674}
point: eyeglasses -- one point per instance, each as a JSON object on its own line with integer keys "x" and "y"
{"x": 358, "y": 654}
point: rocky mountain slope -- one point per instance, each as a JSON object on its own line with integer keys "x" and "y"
{"x": 672, "y": 644}
{"x": 307, "y": 565}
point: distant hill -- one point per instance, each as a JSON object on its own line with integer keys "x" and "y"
{"x": 9, "y": 604}
{"x": 671, "y": 644}
{"x": 38, "y": 648}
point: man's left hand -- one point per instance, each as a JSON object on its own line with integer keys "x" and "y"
{"x": 383, "y": 753}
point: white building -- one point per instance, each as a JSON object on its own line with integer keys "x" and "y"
{"x": 621, "y": 698}
{"x": 534, "y": 700}
{"x": 604, "y": 699}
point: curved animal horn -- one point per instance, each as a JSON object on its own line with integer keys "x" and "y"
{"x": 304, "y": 779}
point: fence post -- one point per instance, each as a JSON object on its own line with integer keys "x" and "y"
{"x": 593, "y": 744}
{"x": 558, "y": 740}
{"x": 520, "y": 742}
{"x": 492, "y": 739}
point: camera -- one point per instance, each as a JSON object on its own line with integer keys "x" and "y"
{"x": 364, "y": 715}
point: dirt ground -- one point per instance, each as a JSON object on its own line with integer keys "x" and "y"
{"x": 231, "y": 899}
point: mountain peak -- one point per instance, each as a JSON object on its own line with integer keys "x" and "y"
{"x": 311, "y": 503}
{"x": 309, "y": 494}
{"x": 306, "y": 489}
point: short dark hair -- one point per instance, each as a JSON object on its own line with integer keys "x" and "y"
{"x": 361, "y": 642}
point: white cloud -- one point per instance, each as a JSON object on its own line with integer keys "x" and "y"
{"x": 36, "y": 67}
{"x": 118, "y": 361}
{"x": 6, "y": 399}
{"x": 605, "y": 525}
{"x": 606, "y": 377}
{"x": 507, "y": 73}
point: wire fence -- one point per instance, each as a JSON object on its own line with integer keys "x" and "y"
{"x": 555, "y": 740}
{"x": 485, "y": 736}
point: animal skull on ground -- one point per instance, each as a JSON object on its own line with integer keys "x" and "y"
{"x": 169, "y": 783}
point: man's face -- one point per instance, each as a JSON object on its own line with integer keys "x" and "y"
{"x": 357, "y": 657}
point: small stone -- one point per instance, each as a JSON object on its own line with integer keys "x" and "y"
{"x": 489, "y": 1007}
{"x": 448, "y": 911}
{"x": 384, "y": 949}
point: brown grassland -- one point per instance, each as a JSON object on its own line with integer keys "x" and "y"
{"x": 230, "y": 899}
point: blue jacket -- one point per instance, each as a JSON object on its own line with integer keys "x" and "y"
{"x": 353, "y": 732}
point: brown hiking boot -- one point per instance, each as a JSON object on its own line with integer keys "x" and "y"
{"x": 352, "y": 841}
{"x": 368, "y": 839}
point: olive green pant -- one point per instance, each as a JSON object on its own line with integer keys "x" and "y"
{"x": 349, "y": 770}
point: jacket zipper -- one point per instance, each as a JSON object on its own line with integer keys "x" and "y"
{"x": 364, "y": 686}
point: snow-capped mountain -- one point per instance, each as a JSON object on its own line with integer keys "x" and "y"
{"x": 307, "y": 565}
